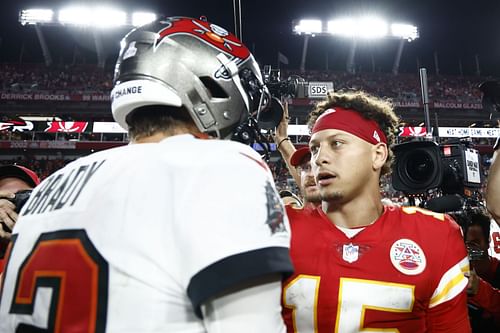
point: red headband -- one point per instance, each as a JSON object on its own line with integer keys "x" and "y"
{"x": 352, "y": 122}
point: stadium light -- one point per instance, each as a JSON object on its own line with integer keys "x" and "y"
{"x": 33, "y": 16}
{"x": 308, "y": 27}
{"x": 372, "y": 27}
{"x": 98, "y": 17}
{"x": 341, "y": 27}
{"x": 364, "y": 27}
{"x": 108, "y": 17}
{"x": 142, "y": 18}
{"x": 75, "y": 15}
{"x": 356, "y": 28}
{"x": 405, "y": 31}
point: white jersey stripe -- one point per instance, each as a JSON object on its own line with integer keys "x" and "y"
{"x": 451, "y": 284}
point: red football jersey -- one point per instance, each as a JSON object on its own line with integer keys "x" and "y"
{"x": 403, "y": 273}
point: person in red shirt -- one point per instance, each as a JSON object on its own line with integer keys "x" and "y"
{"x": 360, "y": 265}
{"x": 301, "y": 161}
{"x": 13, "y": 179}
{"x": 476, "y": 226}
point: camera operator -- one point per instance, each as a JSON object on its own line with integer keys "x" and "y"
{"x": 484, "y": 279}
{"x": 13, "y": 180}
{"x": 493, "y": 186}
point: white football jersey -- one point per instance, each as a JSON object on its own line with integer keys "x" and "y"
{"x": 136, "y": 238}
{"x": 494, "y": 249}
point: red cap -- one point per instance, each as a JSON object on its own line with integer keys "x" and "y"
{"x": 300, "y": 155}
{"x": 20, "y": 172}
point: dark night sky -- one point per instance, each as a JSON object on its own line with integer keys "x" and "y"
{"x": 456, "y": 30}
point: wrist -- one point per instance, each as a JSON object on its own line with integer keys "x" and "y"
{"x": 278, "y": 138}
{"x": 280, "y": 141}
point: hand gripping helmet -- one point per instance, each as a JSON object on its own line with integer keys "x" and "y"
{"x": 179, "y": 61}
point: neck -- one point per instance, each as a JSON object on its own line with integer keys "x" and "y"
{"x": 158, "y": 136}
{"x": 312, "y": 204}
{"x": 359, "y": 212}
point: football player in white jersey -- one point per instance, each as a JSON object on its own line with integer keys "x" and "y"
{"x": 174, "y": 232}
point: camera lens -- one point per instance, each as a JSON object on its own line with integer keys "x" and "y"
{"x": 419, "y": 166}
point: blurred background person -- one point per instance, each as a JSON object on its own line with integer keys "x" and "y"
{"x": 14, "y": 179}
{"x": 487, "y": 268}
{"x": 301, "y": 162}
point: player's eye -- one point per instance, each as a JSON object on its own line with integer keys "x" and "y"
{"x": 336, "y": 143}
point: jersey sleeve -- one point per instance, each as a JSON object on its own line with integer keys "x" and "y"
{"x": 236, "y": 225}
{"x": 448, "y": 304}
{"x": 454, "y": 264}
{"x": 449, "y": 317}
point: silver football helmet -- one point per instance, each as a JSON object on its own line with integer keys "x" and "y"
{"x": 179, "y": 61}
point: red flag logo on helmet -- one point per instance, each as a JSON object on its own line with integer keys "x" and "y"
{"x": 211, "y": 34}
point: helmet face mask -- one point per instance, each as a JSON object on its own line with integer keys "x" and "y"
{"x": 187, "y": 62}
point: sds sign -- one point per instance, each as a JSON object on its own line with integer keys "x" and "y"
{"x": 319, "y": 89}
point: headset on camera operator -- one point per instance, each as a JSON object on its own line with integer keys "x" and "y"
{"x": 16, "y": 183}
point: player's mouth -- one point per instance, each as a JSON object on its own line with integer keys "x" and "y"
{"x": 325, "y": 178}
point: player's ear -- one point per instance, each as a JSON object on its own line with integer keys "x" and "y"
{"x": 379, "y": 155}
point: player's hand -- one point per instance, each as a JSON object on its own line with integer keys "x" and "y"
{"x": 282, "y": 129}
{"x": 8, "y": 215}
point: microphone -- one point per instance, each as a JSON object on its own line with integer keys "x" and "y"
{"x": 445, "y": 203}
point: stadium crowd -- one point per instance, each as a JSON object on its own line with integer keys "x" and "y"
{"x": 37, "y": 77}
{"x": 91, "y": 79}
{"x": 404, "y": 86}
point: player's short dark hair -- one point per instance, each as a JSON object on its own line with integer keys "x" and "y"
{"x": 481, "y": 219}
{"x": 148, "y": 120}
{"x": 370, "y": 107}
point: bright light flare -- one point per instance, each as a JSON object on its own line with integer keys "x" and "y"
{"x": 371, "y": 27}
{"x": 345, "y": 27}
{"x": 405, "y": 31}
{"x": 75, "y": 15}
{"x": 108, "y": 17}
{"x": 364, "y": 27}
{"x": 32, "y": 16}
{"x": 98, "y": 17}
{"x": 308, "y": 27}
{"x": 142, "y": 18}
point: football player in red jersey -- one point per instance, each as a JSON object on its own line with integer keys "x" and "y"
{"x": 361, "y": 266}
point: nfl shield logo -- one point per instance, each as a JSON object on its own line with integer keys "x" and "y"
{"x": 350, "y": 253}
